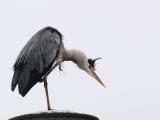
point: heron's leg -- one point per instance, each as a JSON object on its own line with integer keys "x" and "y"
{"x": 46, "y": 90}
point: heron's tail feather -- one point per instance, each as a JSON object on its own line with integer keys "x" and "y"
{"x": 30, "y": 78}
{"x": 15, "y": 79}
{"x": 25, "y": 79}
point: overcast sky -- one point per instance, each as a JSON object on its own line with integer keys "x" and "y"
{"x": 125, "y": 33}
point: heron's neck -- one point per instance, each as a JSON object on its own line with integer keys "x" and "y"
{"x": 74, "y": 55}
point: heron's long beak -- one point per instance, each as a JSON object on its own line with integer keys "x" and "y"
{"x": 94, "y": 75}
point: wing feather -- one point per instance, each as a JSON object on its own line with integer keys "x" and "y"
{"x": 36, "y": 57}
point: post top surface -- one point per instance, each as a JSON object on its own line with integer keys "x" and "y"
{"x": 55, "y": 114}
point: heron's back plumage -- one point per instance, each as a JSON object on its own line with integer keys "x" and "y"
{"x": 35, "y": 59}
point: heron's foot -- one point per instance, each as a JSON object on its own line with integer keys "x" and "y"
{"x": 60, "y": 67}
{"x": 60, "y": 64}
{"x": 50, "y": 109}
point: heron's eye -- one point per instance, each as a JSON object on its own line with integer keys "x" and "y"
{"x": 91, "y": 63}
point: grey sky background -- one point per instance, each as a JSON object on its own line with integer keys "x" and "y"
{"x": 126, "y": 34}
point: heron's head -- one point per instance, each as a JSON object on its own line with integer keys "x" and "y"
{"x": 89, "y": 67}
{"x": 83, "y": 62}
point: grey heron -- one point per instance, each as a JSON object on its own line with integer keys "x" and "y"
{"x": 41, "y": 54}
